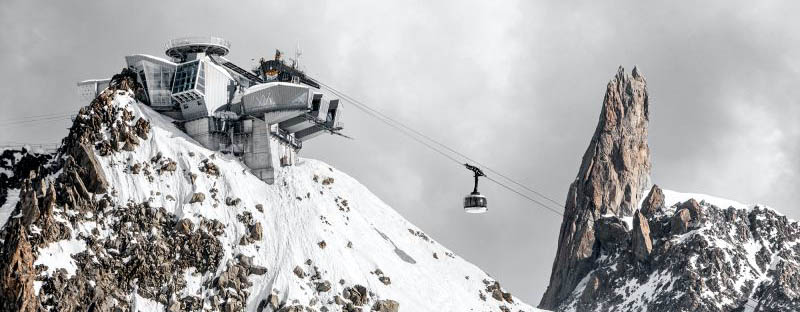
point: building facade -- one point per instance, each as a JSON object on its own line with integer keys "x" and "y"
{"x": 262, "y": 116}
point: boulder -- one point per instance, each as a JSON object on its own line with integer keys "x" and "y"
{"x": 680, "y": 221}
{"x": 612, "y": 233}
{"x": 386, "y": 306}
{"x": 197, "y": 198}
{"x": 694, "y": 208}
{"x": 654, "y": 202}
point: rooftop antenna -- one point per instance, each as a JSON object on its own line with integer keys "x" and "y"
{"x": 297, "y": 53}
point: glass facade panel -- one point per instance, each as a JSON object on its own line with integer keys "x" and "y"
{"x": 157, "y": 79}
{"x": 201, "y": 79}
{"x": 185, "y": 77}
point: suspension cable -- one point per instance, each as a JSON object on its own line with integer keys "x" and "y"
{"x": 408, "y": 131}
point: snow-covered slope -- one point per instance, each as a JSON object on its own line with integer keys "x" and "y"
{"x": 185, "y": 228}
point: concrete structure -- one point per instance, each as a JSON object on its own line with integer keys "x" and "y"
{"x": 90, "y": 89}
{"x": 263, "y": 116}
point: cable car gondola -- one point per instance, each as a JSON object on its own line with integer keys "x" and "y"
{"x": 475, "y": 202}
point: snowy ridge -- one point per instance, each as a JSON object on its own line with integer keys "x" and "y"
{"x": 318, "y": 226}
{"x": 732, "y": 256}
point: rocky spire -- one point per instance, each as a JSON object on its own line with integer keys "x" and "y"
{"x": 612, "y": 179}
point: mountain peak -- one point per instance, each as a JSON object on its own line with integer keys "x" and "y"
{"x": 613, "y": 175}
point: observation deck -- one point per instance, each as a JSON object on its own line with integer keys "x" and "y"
{"x": 180, "y": 47}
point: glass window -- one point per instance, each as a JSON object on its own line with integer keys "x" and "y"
{"x": 185, "y": 77}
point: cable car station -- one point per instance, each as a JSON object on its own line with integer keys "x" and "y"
{"x": 263, "y": 116}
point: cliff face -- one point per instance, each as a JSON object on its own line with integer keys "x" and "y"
{"x": 614, "y": 174}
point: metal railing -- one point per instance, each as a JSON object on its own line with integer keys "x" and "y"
{"x": 199, "y": 40}
{"x": 283, "y": 135}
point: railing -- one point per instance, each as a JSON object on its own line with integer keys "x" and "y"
{"x": 179, "y": 42}
{"x": 284, "y": 136}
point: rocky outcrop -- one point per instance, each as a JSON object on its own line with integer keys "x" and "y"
{"x": 642, "y": 245}
{"x": 16, "y": 277}
{"x": 613, "y": 176}
{"x": 727, "y": 260}
{"x": 679, "y": 223}
{"x": 653, "y": 202}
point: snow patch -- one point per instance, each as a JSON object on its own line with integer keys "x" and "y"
{"x": 58, "y": 255}
{"x": 8, "y": 206}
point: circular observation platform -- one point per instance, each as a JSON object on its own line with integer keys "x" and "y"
{"x": 180, "y": 47}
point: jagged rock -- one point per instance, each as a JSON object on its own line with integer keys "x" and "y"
{"x": 256, "y": 231}
{"x": 324, "y": 286}
{"x": 185, "y": 226}
{"x": 260, "y": 207}
{"x": 170, "y": 166}
{"x": 232, "y": 201}
{"x": 142, "y": 128}
{"x": 612, "y": 233}
{"x": 17, "y": 273}
{"x": 694, "y": 209}
{"x": 209, "y": 168}
{"x": 386, "y": 306}
{"x": 299, "y": 272}
{"x": 653, "y": 202}
{"x": 613, "y": 176}
{"x": 641, "y": 243}
{"x": 273, "y": 301}
{"x": 92, "y": 172}
{"x": 197, "y": 198}
{"x": 590, "y": 292}
{"x": 680, "y": 221}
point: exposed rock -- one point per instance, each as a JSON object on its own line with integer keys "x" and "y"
{"x": 256, "y": 231}
{"x": 614, "y": 174}
{"x": 92, "y": 172}
{"x": 185, "y": 226}
{"x": 386, "y": 306}
{"x": 169, "y": 166}
{"x": 197, "y": 198}
{"x": 641, "y": 243}
{"x": 680, "y": 221}
{"x": 654, "y": 202}
{"x": 611, "y": 233}
{"x": 324, "y": 286}
{"x": 694, "y": 209}
{"x": 16, "y": 277}
{"x": 299, "y": 272}
{"x": 209, "y": 168}
{"x": 229, "y": 201}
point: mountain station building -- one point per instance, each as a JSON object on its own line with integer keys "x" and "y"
{"x": 263, "y": 115}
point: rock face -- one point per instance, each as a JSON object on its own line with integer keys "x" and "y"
{"x": 613, "y": 176}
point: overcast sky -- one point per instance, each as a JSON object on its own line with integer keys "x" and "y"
{"x": 517, "y": 85}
